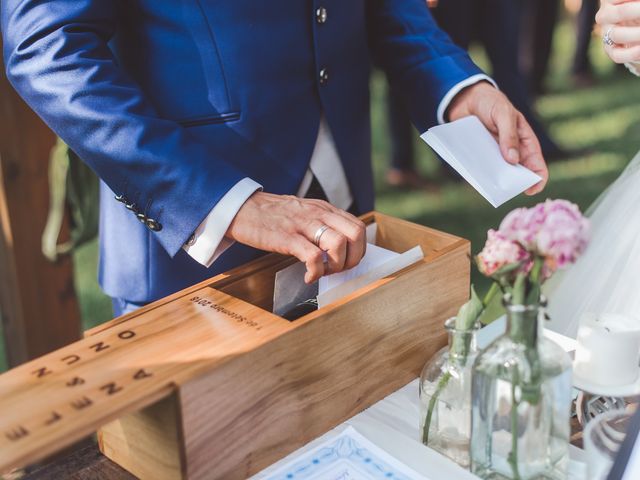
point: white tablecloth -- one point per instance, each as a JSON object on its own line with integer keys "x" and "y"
{"x": 392, "y": 424}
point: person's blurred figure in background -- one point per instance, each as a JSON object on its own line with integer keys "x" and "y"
{"x": 582, "y": 70}
{"x": 402, "y": 172}
{"x": 539, "y": 25}
{"x": 496, "y": 25}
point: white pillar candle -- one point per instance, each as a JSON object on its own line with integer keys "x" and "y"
{"x": 608, "y": 350}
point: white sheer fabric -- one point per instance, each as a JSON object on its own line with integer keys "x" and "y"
{"x": 607, "y": 277}
{"x": 633, "y": 67}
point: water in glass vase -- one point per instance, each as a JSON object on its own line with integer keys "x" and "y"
{"x": 445, "y": 395}
{"x": 521, "y": 403}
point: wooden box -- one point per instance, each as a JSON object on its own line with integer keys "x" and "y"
{"x": 209, "y": 384}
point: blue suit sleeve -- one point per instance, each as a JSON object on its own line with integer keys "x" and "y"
{"x": 422, "y": 62}
{"x": 57, "y": 57}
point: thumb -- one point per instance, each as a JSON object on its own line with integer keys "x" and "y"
{"x": 506, "y": 121}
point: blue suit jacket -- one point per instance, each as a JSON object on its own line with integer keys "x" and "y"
{"x": 173, "y": 102}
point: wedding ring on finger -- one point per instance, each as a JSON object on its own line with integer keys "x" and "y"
{"x": 318, "y": 235}
{"x": 607, "y": 38}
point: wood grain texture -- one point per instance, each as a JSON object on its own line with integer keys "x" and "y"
{"x": 147, "y": 443}
{"x": 247, "y": 386}
{"x": 70, "y": 393}
{"x": 331, "y": 367}
{"x": 38, "y": 306}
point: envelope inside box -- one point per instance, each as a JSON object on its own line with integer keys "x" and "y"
{"x": 256, "y": 285}
{"x": 293, "y": 297}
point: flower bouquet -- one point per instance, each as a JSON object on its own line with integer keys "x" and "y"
{"x": 521, "y": 386}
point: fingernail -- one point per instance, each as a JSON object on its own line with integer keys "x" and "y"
{"x": 514, "y": 155}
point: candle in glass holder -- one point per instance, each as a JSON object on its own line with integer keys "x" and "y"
{"x": 608, "y": 349}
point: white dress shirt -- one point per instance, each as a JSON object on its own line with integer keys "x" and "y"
{"x": 208, "y": 242}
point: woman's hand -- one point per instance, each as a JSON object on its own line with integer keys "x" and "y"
{"x": 620, "y": 22}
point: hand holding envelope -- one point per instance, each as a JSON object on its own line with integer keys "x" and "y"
{"x": 472, "y": 151}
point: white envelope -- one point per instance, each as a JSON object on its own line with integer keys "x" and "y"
{"x": 471, "y": 150}
{"x": 376, "y": 264}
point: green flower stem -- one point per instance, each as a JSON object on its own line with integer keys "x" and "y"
{"x": 442, "y": 383}
{"x": 513, "y": 454}
{"x": 465, "y": 321}
{"x": 534, "y": 281}
{"x": 519, "y": 289}
{"x": 523, "y": 329}
{"x": 493, "y": 291}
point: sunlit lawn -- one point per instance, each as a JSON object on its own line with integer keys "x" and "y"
{"x": 604, "y": 118}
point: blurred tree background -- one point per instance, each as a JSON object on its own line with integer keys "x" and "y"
{"x": 604, "y": 118}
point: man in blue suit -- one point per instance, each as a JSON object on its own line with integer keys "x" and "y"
{"x": 204, "y": 118}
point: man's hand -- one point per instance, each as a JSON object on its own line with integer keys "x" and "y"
{"x": 287, "y": 224}
{"x": 518, "y": 143}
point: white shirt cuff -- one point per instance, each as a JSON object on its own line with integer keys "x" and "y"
{"x": 208, "y": 242}
{"x": 467, "y": 82}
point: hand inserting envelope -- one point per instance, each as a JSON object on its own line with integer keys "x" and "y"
{"x": 291, "y": 293}
{"x": 470, "y": 149}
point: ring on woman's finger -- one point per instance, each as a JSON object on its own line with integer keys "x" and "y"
{"x": 606, "y": 39}
{"x": 318, "y": 234}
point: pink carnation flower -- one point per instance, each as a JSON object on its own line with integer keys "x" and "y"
{"x": 563, "y": 236}
{"x": 522, "y": 224}
{"x": 500, "y": 252}
{"x": 555, "y": 230}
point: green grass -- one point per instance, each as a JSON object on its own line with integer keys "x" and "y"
{"x": 95, "y": 306}
{"x": 604, "y": 118}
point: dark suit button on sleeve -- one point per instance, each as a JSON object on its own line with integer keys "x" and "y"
{"x": 142, "y": 217}
{"x": 153, "y": 225}
{"x": 321, "y": 15}
{"x": 324, "y": 76}
{"x": 131, "y": 206}
{"x": 120, "y": 198}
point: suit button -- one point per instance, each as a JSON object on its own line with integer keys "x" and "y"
{"x": 153, "y": 225}
{"x": 142, "y": 218}
{"x": 321, "y": 15}
{"x": 324, "y": 76}
{"x": 120, "y": 198}
{"x": 131, "y": 206}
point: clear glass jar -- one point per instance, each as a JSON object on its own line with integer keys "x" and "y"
{"x": 445, "y": 395}
{"x": 521, "y": 402}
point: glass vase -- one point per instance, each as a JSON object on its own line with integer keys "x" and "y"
{"x": 445, "y": 395}
{"x": 521, "y": 402}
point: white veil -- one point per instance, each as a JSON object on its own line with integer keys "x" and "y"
{"x": 607, "y": 277}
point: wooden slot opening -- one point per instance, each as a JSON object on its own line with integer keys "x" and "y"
{"x": 394, "y": 234}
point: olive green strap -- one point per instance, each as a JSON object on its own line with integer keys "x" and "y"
{"x": 71, "y": 183}
{"x": 58, "y": 169}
